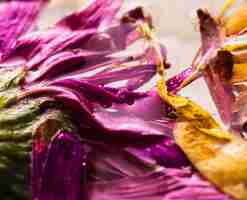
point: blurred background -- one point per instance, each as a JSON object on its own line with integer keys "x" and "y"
{"x": 176, "y": 25}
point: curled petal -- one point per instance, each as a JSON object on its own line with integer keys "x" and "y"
{"x": 64, "y": 63}
{"x": 67, "y": 34}
{"x": 16, "y": 18}
{"x": 211, "y": 37}
{"x": 236, "y": 22}
{"x": 174, "y": 82}
{"x": 126, "y": 73}
{"x": 168, "y": 154}
{"x": 216, "y": 62}
{"x": 98, "y": 13}
{"x": 63, "y": 169}
{"x": 61, "y": 42}
{"x": 218, "y": 76}
{"x": 221, "y": 162}
{"x": 130, "y": 127}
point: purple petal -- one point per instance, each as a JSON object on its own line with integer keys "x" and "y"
{"x": 126, "y": 73}
{"x": 119, "y": 35}
{"x": 16, "y": 18}
{"x": 109, "y": 162}
{"x": 150, "y": 108}
{"x": 212, "y": 39}
{"x": 37, "y": 47}
{"x": 98, "y": 123}
{"x": 219, "y": 85}
{"x": 143, "y": 120}
{"x": 63, "y": 63}
{"x": 169, "y": 154}
{"x": 98, "y": 13}
{"x": 168, "y": 184}
{"x": 113, "y": 124}
{"x": 115, "y": 38}
{"x": 63, "y": 169}
{"x": 30, "y": 44}
{"x": 128, "y": 127}
{"x": 92, "y": 92}
{"x": 166, "y": 154}
{"x": 61, "y": 42}
{"x": 211, "y": 35}
{"x": 135, "y": 74}
{"x": 174, "y": 82}
{"x": 67, "y": 33}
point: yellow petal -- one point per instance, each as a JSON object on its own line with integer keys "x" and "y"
{"x": 237, "y": 22}
{"x": 222, "y": 162}
{"x": 239, "y": 57}
{"x": 235, "y": 47}
{"x": 239, "y": 73}
{"x": 187, "y": 110}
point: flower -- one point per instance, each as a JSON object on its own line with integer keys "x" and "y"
{"x": 91, "y": 138}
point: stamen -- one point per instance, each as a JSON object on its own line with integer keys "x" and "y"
{"x": 148, "y": 34}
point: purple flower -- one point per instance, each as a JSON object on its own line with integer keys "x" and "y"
{"x": 121, "y": 145}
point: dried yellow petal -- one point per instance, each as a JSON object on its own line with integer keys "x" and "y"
{"x": 237, "y": 22}
{"x": 222, "y": 162}
{"x": 198, "y": 117}
{"x": 235, "y": 47}
{"x": 219, "y": 156}
{"x": 239, "y": 73}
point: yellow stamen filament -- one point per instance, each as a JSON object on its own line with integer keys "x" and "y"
{"x": 148, "y": 34}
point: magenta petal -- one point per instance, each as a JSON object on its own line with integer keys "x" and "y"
{"x": 63, "y": 169}
{"x": 140, "y": 74}
{"x": 90, "y": 91}
{"x": 37, "y": 47}
{"x": 58, "y": 44}
{"x": 98, "y": 13}
{"x": 211, "y": 35}
{"x": 119, "y": 35}
{"x": 211, "y": 38}
{"x": 219, "y": 86}
{"x": 67, "y": 33}
{"x": 130, "y": 126}
{"x": 168, "y": 154}
{"x": 167, "y": 184}
{"x": 143, "y": 122}
{"x": 216, "y": 61}
{"x": 16, "y": 18}
{"x": 66, "y": 62}
{"x": 151, "y": 110}
{"x": 174, "y": 82}
{"x": 109, "y": 162}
